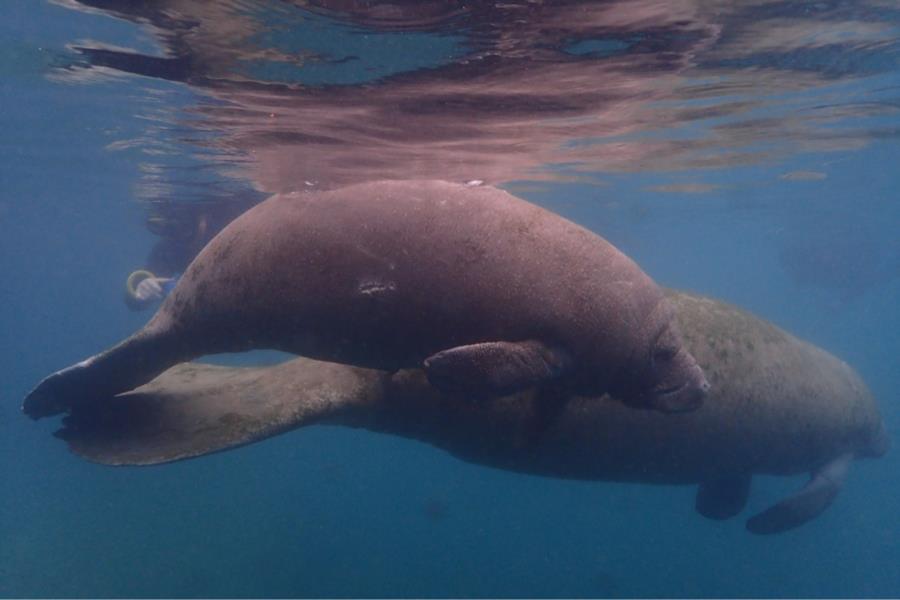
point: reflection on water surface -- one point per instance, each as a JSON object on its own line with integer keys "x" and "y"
{"x": 326, "y": 93}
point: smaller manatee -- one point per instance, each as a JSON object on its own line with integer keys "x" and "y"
{"x": 490, "y": 294}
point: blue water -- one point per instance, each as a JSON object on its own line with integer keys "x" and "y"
{"x": 751, "y": 155}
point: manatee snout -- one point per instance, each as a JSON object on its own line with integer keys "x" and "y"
{"x": 662, "y": 373}
{"x": 684, "y": 398}
{"x": 675, "y": 383}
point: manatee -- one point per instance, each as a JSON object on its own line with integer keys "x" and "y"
{"x": 777, "y": 405}
{"x": 488, "y": 293}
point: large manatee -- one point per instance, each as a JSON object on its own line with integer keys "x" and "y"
{"x": 778, "y": 405}
{"x": 491, "y": 294}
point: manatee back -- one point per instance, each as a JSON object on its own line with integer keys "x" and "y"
{"x": 384, "y": 274}
{"x": 779, "y": 404}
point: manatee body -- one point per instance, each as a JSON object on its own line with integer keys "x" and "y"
{"x": 777, "y": 405}
{"x": 491, "y": 294}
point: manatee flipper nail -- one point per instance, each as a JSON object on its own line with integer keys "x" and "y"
{"x": 724, "y": 497}
{"x": 494, "y": 368}
{"x": 808, "y": 503}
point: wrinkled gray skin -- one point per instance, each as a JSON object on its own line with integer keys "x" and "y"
{"x": 491, "y": 294}
{"x": 777, "y": 405}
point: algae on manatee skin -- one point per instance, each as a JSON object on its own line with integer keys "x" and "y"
{"x": 234, "y": 420}
{"x": 232, "y": 425}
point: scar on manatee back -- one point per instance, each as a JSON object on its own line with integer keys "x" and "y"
{"x": 374, "y": 288}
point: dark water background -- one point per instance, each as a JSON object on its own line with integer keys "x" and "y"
{"x": 746, "y": 150}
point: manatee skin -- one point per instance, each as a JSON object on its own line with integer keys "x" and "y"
{"x": 778, "y": 406}
{"x": 396, "y": 274}
{"x": 195, "y": 409}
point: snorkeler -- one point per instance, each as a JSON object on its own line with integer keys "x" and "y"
{"x": 183, "y": 231}
{"x": 143, "y": 289}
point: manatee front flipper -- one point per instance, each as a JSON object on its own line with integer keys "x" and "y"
{"x": 195, "y": 409}
{"x": 494, "y": 368}
{"x": 808, "y": 503}
{"x": 724, "y": 497}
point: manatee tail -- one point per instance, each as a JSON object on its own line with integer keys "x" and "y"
{"x": 125, "y": 366}
{"x": 808, "y": 503}
{"x": 194, "y": 409}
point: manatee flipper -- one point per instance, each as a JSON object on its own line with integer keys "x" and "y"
{"x": 494, "y": 368}
{"x": 724, "y": 497}
{"x": 125, "y": 366}
{"x": 806, "y": 504}
{"x": 195, "y": 409}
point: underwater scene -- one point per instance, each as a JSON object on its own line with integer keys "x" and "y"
{"x": 362, "y": 298}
